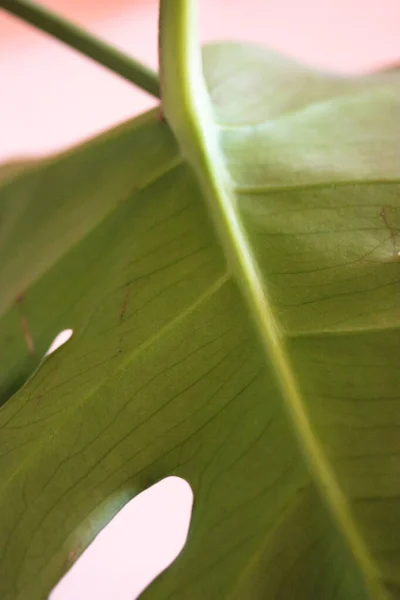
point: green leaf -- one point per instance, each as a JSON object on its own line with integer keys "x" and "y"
{"x": 285, "y": 422}
{"x": 47, "y": 212}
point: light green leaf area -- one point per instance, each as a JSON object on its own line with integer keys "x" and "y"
{"x": 293, "y": 453}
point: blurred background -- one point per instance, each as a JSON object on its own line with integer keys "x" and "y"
{"x": 51, "y": 97}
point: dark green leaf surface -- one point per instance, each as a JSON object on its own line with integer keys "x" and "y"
{"x": 167, "y": 372}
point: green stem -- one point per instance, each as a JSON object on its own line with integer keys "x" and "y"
{"x": 184, "y": 96}
{"x": 85, "y": 43}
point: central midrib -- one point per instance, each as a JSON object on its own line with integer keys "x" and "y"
{"x": 189, "y": 113}
{"x": 246, "y": 271}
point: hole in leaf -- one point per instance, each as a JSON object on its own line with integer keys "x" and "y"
{"x": 12, "y": 382}
{"x": 59, "y": 340}
{"x": 140, "y": 542}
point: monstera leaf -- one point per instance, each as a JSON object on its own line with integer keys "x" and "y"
{"x": 231, "y": 275}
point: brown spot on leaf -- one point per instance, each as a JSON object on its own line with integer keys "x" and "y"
{"x": 392, "y": 230}
{"x": 124, "y": 304}
{"x": 25, "y": 327}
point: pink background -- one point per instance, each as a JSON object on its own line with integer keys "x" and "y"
{"x": 50, "y": 97}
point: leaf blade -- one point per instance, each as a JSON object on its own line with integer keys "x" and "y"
{"x": 204, "y": 403}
